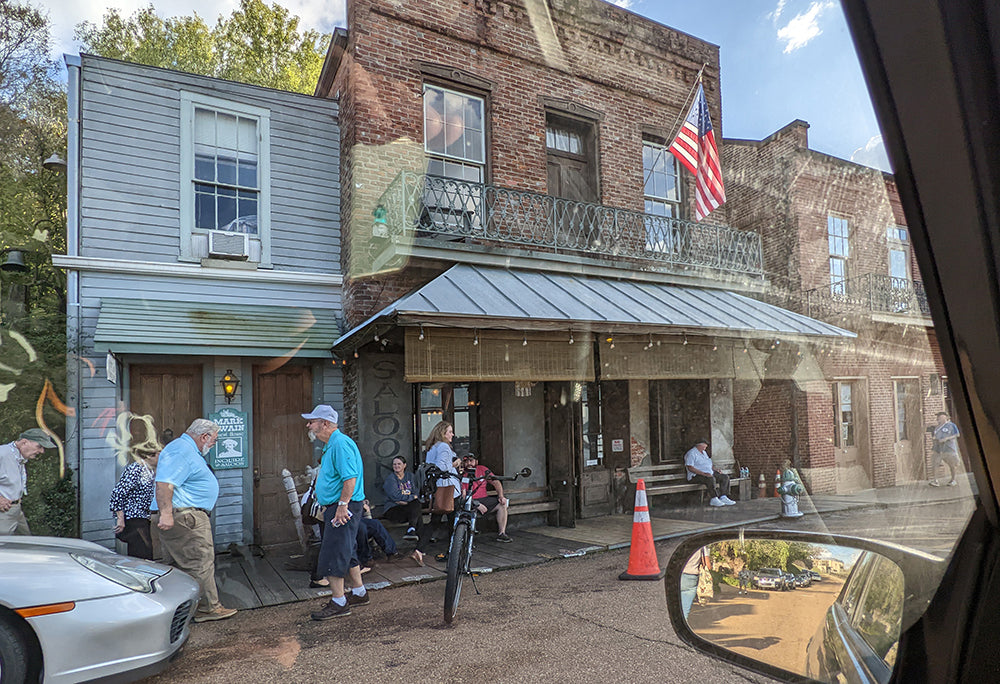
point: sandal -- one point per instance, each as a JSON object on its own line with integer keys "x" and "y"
{"x": 441, "y": 557}
{"x": 417, "y": 557}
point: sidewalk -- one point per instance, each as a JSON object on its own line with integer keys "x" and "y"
{"x": 247, "y": 580}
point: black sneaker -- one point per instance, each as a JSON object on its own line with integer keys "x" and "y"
{"x": 504, "y": 538}
{"x": 355, "y": 600}
{"x": 411, "y": 535}
{"x": 332, "y": 610}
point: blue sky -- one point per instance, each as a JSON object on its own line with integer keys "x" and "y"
{"x": 781, "y": 59}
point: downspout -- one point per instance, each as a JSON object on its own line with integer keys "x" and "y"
{"x": 74, "y": 362}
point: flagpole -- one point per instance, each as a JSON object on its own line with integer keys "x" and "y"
{"x": 687, "y": 100}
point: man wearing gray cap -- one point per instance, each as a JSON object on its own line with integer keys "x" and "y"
{"x": 340, "y": 489}
{"x": 14, "y": 478}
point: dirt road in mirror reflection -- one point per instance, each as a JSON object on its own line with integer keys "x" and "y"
{"x": 773, "y": 626}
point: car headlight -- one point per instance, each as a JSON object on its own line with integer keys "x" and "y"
{"x": 121, "y": 571}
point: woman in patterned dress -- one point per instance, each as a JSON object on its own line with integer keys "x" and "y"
{"x": 132, "y": 497}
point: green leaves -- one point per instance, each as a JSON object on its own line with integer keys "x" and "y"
{"x": 257, "y": 44}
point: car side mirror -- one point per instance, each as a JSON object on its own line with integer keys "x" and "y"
{"x": 793, "y": 604}
{"x": 525, "y": 472}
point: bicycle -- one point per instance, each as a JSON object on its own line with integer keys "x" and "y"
{"x": 462, "y": 536}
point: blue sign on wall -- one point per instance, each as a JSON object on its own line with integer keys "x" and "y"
{"x": 230, "y": 451}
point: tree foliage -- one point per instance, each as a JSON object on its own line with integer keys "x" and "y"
{"x": 33, "y": 221}
{"x": 257, "y": 44}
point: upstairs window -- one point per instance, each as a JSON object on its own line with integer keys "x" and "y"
{"x": 225, "y": 178}
{"x": 898, "y": 240}
{"x": 838, "y": 239}
{"x": 662, "y": 195}
{"x": 454, "y": 134}
{"x": 226, "y": 182}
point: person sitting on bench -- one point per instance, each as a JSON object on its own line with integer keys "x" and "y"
{"x": 701, "y": 470}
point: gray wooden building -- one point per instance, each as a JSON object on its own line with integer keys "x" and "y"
{"x": 203, "y": 238}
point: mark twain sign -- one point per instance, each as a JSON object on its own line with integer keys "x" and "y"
{"x": 230, "y": 451}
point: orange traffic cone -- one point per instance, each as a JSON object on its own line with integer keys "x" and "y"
{"x": 642, "y": 563}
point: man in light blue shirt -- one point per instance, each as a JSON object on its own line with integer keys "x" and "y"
{"x": 701, "y": 470}
{"x": 186, "y": 492}
{"x": 340, "y": 488}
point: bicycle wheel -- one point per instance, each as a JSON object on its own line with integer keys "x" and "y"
{"x": 458, "y": 555}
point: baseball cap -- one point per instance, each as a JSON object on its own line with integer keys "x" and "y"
{"x": 40, "y": 436}
{"x": 322, "y": 412}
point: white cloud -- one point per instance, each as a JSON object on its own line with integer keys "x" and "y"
{"x": 776, "y": 14}
{"x": 873, "y": 154}
{"x": 624, "y": 4}
{"x": 803, "y": 27}
{"x": 320, "y": 15}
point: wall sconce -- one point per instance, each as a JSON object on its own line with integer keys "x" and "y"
{"x": 229, "y": 384}
{"x": 13, "y": 261}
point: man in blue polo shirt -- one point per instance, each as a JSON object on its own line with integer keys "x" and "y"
{"x": 340, "y": 488}
{"x": 186, "y": 491}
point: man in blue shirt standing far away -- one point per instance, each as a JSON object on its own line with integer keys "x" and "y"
{"x": 186, "y": 492}
{"x": 340, "y": 488}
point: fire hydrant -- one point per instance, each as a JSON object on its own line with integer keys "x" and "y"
{"x": 790, "y": 489}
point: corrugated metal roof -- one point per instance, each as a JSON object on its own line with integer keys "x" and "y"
{"x": 479, "y": 293}
{"x": 159, "y": 327}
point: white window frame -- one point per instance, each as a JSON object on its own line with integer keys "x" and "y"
{"x": 895, "y": 243}
{"x": 669, "y": 241}
{"x": 838, "y": 285}
{"x": 190, "y": 101}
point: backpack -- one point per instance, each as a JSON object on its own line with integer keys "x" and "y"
{"x": 426, "y": 484}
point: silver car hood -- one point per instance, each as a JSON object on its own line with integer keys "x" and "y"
{"x": 39, "y": 570}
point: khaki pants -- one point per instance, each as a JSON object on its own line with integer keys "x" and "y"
{"x": 12, "y": 521}
{"x": 188, "y": 545}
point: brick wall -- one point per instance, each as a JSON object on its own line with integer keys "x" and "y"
{"x": 634, "y": 72}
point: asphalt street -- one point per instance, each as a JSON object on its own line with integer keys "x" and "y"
{"x": 565, "y": 620}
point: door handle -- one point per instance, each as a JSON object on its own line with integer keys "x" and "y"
{"x": 256, "y": 476}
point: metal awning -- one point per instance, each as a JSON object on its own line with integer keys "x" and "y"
{"x": 468, "y": 296}
{"x": 146, "y": 326}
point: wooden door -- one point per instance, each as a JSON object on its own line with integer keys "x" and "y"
{"x": 171, "y": 394}
{"x": 571, "y": 163}
{"x": 559, "y": 441}
{"x": 908, "y": 446}
{"x": 280, "y": 441}
{"x": 850, "y": 435}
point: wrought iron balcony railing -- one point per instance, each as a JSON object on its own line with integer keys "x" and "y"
{"x": 872, "y": 292}
{"x": 421, "y": 205}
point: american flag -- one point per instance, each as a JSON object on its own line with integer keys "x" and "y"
{"x": 695, "y": 148}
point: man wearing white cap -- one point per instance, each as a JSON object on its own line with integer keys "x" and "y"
{"x": 14, "y": 477}
{"x": 340, "y": 488}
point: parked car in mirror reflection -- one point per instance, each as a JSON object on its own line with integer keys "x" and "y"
{"x": 769, "y": 578}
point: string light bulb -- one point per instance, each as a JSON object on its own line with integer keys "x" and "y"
{"x": 524, "y": 342}
{"x": 376, "y": 334}
{"x": 355, "y": 353}
{"x": 571, "y": 337}
{"x": 685, "y": 340}
{"x": 475, "y": 340}
{"x": 421, "y": 335}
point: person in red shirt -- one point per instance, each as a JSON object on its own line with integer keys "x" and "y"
{"x": 487, "y": 503}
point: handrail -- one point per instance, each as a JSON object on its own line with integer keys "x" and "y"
{"x": 874, "y": 292}
{"x": 422, "y": 205}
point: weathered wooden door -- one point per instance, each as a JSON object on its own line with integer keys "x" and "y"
{"x": 571, "y": 162}
{"x": 559, "y": 441}
{"x": 908, "y": 446}
{"x": 279, "y": 441}
{"x": 171, "y": 394}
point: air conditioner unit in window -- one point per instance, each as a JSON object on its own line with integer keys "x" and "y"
{"x": 226, "y": 245}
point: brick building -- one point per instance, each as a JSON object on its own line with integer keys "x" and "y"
{"x": 517, "y": 249}
{"x": 836, "y": 247}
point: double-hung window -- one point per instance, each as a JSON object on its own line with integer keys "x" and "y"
{"x": 662, "y": 195}
{"x": 838, "y": 239}
{"x": 225, "y": 169}
{"x": 455, "y": 143}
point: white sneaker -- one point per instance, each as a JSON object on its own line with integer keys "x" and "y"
{"x": 716, "y": 501}
{"x": 952, "y": 483}
{"x": 726, "y": 500}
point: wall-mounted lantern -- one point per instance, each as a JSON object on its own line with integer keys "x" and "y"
{"x": 229, "y": 384}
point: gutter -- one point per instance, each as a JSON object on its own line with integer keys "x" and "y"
{"x": 74, "y": 378}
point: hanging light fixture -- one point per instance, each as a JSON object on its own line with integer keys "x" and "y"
{"x": 524, "y": 343}
{"x": 421, "y": 335}
{"x": 475, "y": 340}
{"x": 685, "y": 340}
{"x": 229, "y": 385}
{"x": 571, "y": 337}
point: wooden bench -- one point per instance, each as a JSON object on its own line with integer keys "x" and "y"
{"x": 532, "y": 500}
{"x": 670, "y": 478}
